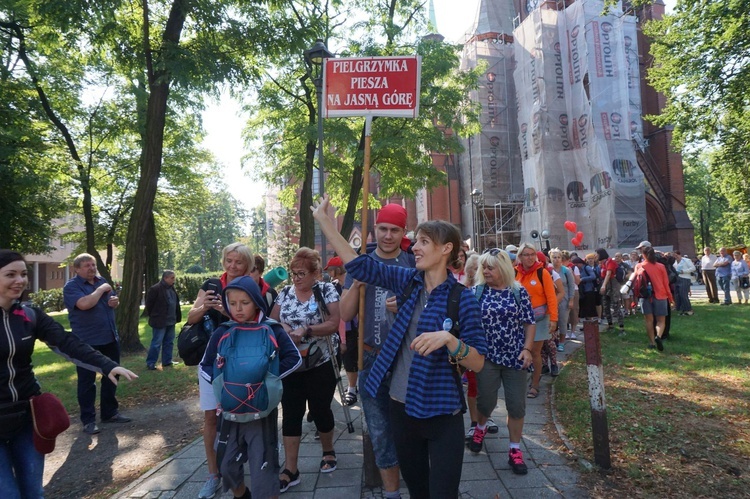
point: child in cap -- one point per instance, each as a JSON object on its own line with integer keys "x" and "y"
{"x": 255, "y": 441}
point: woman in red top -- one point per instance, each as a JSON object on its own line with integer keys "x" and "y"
{"x": 661, "y": 297}
{"x": 544, "y": 303}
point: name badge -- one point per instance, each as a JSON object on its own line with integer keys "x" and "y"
{"x": 533, "y": 283}
{"x": 447, "y": 324}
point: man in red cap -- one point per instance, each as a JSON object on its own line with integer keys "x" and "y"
{"x": 380, "y": 309}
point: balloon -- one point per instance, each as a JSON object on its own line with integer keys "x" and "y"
{"x": 575, "y": 241}
{"x": 579, "y": 236}
{"x": 571, "y": 226}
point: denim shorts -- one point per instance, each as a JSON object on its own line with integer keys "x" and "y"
{"x": 377, "y": 416}
{"x": 659, "y": 308}
{"x": 542, "y": 329}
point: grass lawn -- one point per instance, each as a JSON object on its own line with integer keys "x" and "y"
{"x": 58, "y": 376}
{"x": 679, "y": 420}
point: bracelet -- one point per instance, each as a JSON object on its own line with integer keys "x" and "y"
{"x": 524, "y": 348}
{"x": 458, "y": 358}
{"x": 458, "y": 349}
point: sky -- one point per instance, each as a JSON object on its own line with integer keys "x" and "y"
{"x": 224, "y": 123}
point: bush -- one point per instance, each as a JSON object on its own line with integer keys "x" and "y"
{"x": 188, "y": 285}
{"x": 49, "y": 300}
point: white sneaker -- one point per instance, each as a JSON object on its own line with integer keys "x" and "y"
{"x": 573, "y": 336}
{"x": 470, "y": 433}
{"x": 491, "y": 426}
{"x": 212, "y": 485}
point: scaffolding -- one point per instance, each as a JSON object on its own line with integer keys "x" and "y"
{"x": 490, "y": 166}
{"x": 499, "y": 224}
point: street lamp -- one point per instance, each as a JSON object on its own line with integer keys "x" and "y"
{"x": 476, "y": 199}
{"x": 314, "y": 57}
{"x": 217, "y": 252}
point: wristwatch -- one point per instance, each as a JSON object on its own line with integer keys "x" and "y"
{"x": 308, "y": 332}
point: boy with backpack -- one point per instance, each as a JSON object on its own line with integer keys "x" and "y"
{"x": 245, "y": 360}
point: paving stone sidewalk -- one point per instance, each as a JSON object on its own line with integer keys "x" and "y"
{"x": 484, "y": 476}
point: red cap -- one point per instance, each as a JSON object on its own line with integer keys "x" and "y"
{"x": 336, "y": 261}
{"x": 50, "y": 419}
{"x": 392, "y": 214}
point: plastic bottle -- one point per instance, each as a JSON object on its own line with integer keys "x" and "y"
{"x": 208, "y": 324}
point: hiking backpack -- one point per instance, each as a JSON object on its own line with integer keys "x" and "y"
{"x": 246, "y": 372}
{"x": 621, "y": 272}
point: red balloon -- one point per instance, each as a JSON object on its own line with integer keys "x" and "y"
{"x": 571, "y": 226}
{"x": 579, "y": 236}
{"x": 575, "y": 241}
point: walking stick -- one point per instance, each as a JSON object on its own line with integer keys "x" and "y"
{"x": 340, "y": 383}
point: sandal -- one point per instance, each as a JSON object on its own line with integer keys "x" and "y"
{"x": 350, "y": 398}
{"x": 284, "y": 484}
{"x": 533, "y": 393}
{"x": 328, "y": 465}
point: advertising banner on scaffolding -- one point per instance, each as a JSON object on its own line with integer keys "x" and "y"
{"x": 578, "y": 159}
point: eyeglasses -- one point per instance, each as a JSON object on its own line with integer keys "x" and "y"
{"x": 528, "y": 255}
{"x": 298, "y": 275}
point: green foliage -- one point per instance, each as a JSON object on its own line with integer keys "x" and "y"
{"x": 49, "y": 300}
{"x": 701, "y": 64}
{"x": 188, "y": 285}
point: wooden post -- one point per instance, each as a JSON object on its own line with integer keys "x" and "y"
{"x": 372, "y": 473}
{"x": 599, "y": 427}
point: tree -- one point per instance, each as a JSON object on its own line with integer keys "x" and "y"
{"x": 285, "y": 115}
{"x": 31, "y": 186}
{"x": 701, "y": 64}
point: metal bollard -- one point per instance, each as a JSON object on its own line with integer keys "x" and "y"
{"x": 599, "y": 427}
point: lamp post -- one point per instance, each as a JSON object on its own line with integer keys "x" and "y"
{"x": 315, "y": 57}
{"x": 476, "y": 198}
{"x": 217, "y": 252}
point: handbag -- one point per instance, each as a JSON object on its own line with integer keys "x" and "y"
{"x": 192, "y": 341}
{"x": 50, "y": 419}
{"x": 745, "y": 282}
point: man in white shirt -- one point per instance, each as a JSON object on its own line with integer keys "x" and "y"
{"x": 709, "y": 275}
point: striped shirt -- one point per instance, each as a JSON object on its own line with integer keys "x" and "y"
{"x": 432, "y": 388}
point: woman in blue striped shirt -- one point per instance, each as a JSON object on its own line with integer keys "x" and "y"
{"x": 420, "y": 354}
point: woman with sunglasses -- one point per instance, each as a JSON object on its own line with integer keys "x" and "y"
{"x": 422, "y": 354}
{"x": 533, "y": 276}
{"x": 509, "y": 327}
{"x": 309, "y": 311}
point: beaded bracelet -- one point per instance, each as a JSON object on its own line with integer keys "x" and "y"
{"x": 458, "y": 349}
{"x": 461, "y": 356}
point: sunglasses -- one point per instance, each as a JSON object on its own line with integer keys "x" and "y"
{"x": 492, "y": 251}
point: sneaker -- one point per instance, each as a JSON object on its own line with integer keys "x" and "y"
{"x": 475, "y": 445}
{"x": 659, "y": 343}
{"x": 91, "y": 428}
{"x": 151, "y": 367}
{"x": 515, "y": 460}
{"x": 492, "y": 428}
{"x": 117, "y": 418}
{"x": 470, "y": 432}
{"x": 555, "y": 371}
{"x": 561, "y": 347}
{"x": 211, "y": 487}
{"x": 545, "y": 370}
{"x": 171, "y": 364}
{"x": 573, "y": 336}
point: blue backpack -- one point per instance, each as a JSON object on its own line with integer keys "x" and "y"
{"x": 246, "y": 372}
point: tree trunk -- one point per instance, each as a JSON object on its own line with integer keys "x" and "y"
{"x": 138, "y": 227}
{"x": 152, "y": 273}
{"x": 306, "y": 221}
